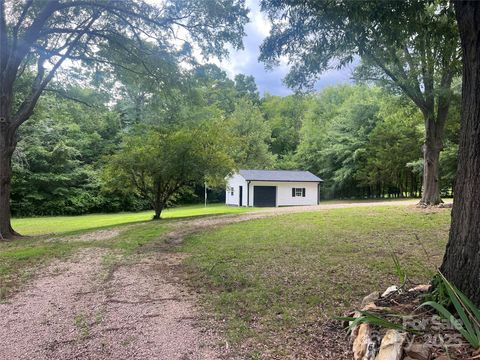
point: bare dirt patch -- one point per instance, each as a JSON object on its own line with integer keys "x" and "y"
{"x": 154, "y": 314}
{"x": 98, "y": 235}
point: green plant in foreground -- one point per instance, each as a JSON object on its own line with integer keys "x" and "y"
{"x": 469, "y": 314}
{"x": 82, "y": 325}
{"x": 399, "y": 270}
{"x": 439, "y": 293}
{"x": 374, "y": 319}
{"x": 446, "y": 293}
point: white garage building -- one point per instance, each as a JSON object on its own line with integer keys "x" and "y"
{"x": 269, "y": 188}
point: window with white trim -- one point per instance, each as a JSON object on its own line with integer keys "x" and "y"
{"x": 298, "y": 192}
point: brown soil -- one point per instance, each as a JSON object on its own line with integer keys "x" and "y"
{"x": 98, "y": 235}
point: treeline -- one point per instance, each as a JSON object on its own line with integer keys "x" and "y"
{"x": 367, "y": 143}
{"x": 362, "y": 140}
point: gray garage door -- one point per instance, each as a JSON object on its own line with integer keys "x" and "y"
{"x": 264, "y": 196}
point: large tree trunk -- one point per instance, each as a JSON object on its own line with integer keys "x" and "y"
{"x": 461, "y": 263}
{"x": 7, "y": 146}
{"x": 431, "y": 161}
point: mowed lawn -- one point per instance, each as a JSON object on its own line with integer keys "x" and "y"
{"x": 68, "y": 224}
{"x": 274, "y": 283}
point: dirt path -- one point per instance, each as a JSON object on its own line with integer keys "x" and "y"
{"x": 82, "y": 309}
{"x": 79, "y": 310}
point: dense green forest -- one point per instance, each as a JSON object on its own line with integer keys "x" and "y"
{"x": 363, "y": 140}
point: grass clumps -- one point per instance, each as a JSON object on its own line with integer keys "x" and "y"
{"x": 273, "y": 281}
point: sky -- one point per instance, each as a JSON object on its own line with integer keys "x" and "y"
{"x": 246, "y": 61}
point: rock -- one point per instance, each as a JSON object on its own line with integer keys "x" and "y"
{"x": 449, "y": 205}
{"x": 354, "y": 332}
{"x": 421, "y": 288}
{"x": 418, "y": 351}
{"x": 372, "y": 349}
{"x": 360, "y": 333}
{"x": 364, "y": 346}
{"x": 391, "y": 347}
{"x": 371, "y": 306}
{"x": 370, "y": 298}
{"x": 390, "y": 290}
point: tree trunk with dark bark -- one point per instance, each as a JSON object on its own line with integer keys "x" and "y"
{"x": 434, "y": 129}
{"x": 7, "y": 147}
{"x": 461, "y": 262}
{"x": 431, "y": 183}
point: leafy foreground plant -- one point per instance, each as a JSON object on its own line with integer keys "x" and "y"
{"x": 374, "y": 319}
{"x": 469, "y": 323}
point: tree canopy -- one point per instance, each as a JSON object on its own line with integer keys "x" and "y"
{"x": 158, "y": 165}
{"x": 409, "y": 46}
{"x": 362, "y": 141}
{"x": 38, "y": 37}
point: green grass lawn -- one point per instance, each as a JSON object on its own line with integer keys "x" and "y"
{"x": 272, "y": 281}
{"x": 67, "y": 224}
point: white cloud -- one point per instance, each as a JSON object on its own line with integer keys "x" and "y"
{"x": 246, "y": 61}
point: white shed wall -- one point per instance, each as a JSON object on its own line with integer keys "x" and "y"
{"x": 284, "y": 192}
{"x": 236, "y": 181}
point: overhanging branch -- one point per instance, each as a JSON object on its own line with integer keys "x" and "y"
{"x": 64, "y": 95}
{"x": 29, "y": 103}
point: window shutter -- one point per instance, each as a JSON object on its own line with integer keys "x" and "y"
{"x": 293, "y": 192}
{"x": 303, "y": 192}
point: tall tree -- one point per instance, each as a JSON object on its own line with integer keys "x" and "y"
{"x": 214, "y": 87}
{"x": 284, "y": 115}
{"x": 38, "y": 37}
{"x": 335, "y": 135}
{"x": 58, "y": 156}
{"x": 158, "y": 165}
{"x": 410, "y": 45}
{"x": 246, "y": 87}
{"x": 252, "y": 136}
{"x": 461, "y": 263}
{"x": 393, "y": 144}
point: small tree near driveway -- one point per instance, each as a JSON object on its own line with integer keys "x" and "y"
{"x": 159, "y": 165}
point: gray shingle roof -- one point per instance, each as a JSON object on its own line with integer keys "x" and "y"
{"x": 279, "y": 175}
